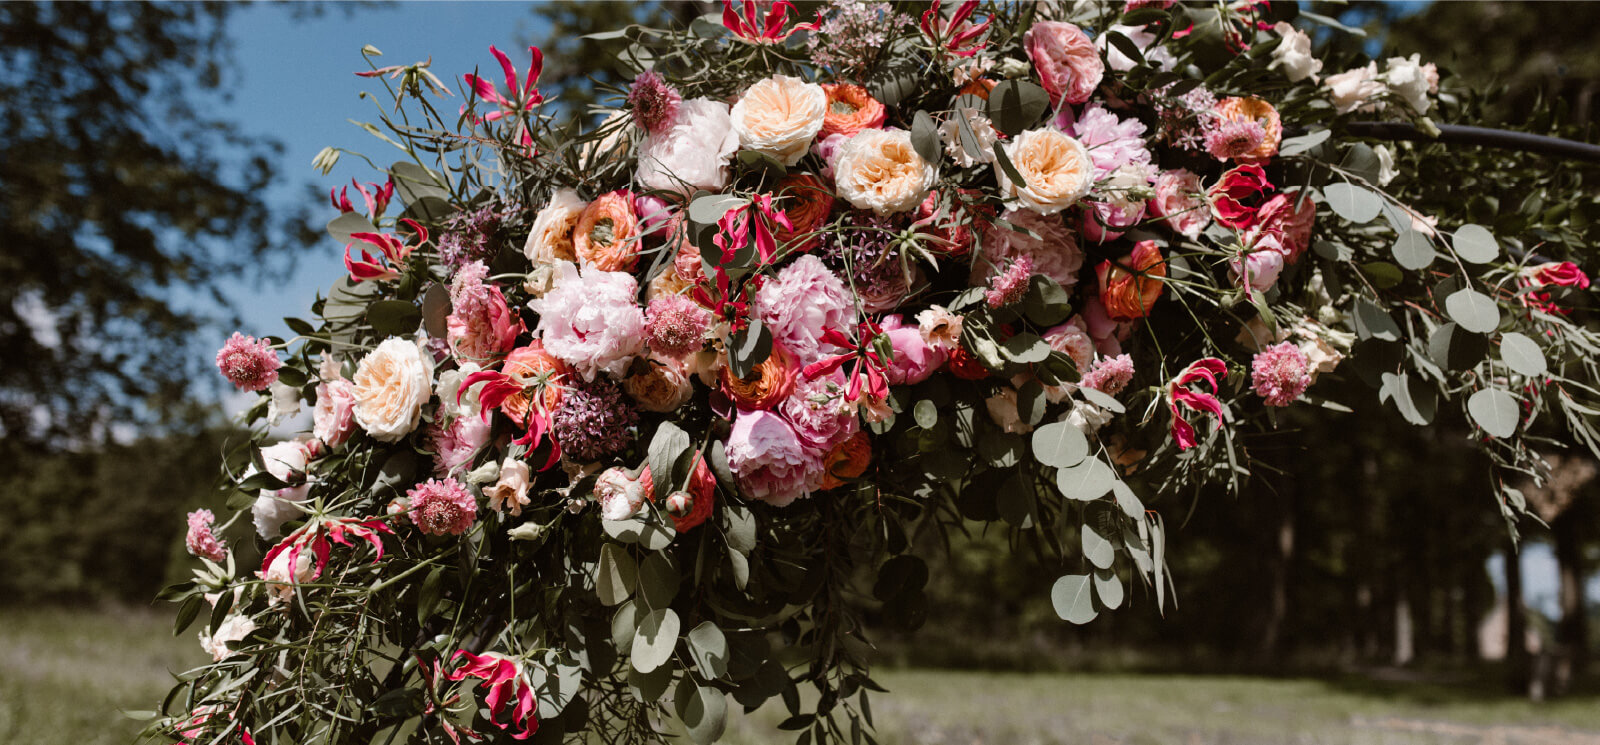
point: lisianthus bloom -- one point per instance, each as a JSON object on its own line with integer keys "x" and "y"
{"x": 1412, "y": 81}
{"x": 333, "y": 419}
{"x": 233, "y": 628}
{"x": 879, "y": 170}
{"x": 510, "y": 490}
{"x": 1355, "y": 89}
{"x": 591, "y": 320}
{"x": 780, "y": 116}
{"x": 1069, "y": 66}
{"x": 1180, "y": 200}
{"x": 506, "y": 680}
{"x": 391, "y": 256}
{"x": 1057, "y": 171}
{"x": 441, "y": 507}
{"x": 807, "y": 202}
{"x": 201, "y": 541}
{"x": 768, "y": 383}
{"x": 850, "y": 109}
{"x": 606, "y": 235}
{"x": 771, "y": 463}
{"x": 1129, "y": 288}
{"x": 1179, "y": 394}
{"x": 391, "y": 385}
{"x": 1257, "y": 111}
{"x": 550, "y": 239}
{"x": 247, "y": 363}
{"x": 1279, "y": 374}
{"x": 1287, "y": 218}
{"x": 802, "y": 301}
{"x": 286, "y": 462}
{"x": 1293, "y": 54}
{"x": 693, "y": 153}
{"x": 915, "y": 358}
{"x": 480, "y": 324}
{"x": 1236, "y": 199}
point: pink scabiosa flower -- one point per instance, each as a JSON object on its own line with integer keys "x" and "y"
{"x": 594, "y": 420}
{"x": 1279, "y": 374}
{"x": 201, "y": 541}
{"x": 767, "y": 456}
{"x": 247, "y": 363}
{"x": 441, "y": 507}
{"x": 1233, "y": 139}
{"x": 1054, "y": 253}
{"x": 653, "y": 102}
{"x": 1179, "y": 394}
{"x": 675, "y": 326}
{"x": 1109, "y": 375}
{"x": 506, "y": 681}
{"x": 1008, "y": 287}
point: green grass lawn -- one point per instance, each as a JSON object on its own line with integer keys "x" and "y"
{"x": 64, "y": 675}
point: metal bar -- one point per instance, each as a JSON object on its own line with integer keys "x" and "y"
{"x": 1458, "y": 134}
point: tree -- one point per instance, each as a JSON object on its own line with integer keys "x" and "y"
{"x": 121, "y": 190}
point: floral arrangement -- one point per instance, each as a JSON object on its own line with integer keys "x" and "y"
{"x": 613, "y": 422}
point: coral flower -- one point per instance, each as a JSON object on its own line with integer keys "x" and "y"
{"x": 1256, "y": 111}
{"x": 1130, "y": 289}
{"x": 506, "y": 681}
{"x": 848, "y": 460}
{"x": 688, "y": 509}
{"x": 807, "y": 203}
{"x": 607, "y": 234}
{"x": 768, "y": 384}
{"x": 1179, "y": 393}
{"x": 850, "y": 109}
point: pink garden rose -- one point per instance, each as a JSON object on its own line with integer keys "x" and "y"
{"x": 914, "y": 358}
{"x": 1069, "y": 66}
{"x": 1180, "y": 200}
{"x": 455, "y": 444}
{"x": 1055, "y": 252}
{"x": 1107, "y": 221}
{"x": 480, "y": 325}
{"x": 771, "y": 462}
{"x": 800, "y": 303}
{"x": 333, "y": 419}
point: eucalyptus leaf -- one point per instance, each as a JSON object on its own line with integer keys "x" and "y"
{"x": 616, "y": 574}
{"x": 1473, "y": 310}
{"x": 1096, "y": 548}
{"x": 654, "y": 640}
{"x": 1072, "y": 598}
{"x": 1475, "y": 244}
{"x": 344, "y": 225}
{"x": 658, "y": 580}
{"x": 709, "y": 649}
{"x": 394, "y": 317}
{"x": 925, "y": 137}
{"x": 1373, "y": 322}
{"x": 1522, "y": 355}
{"x": 710, "y": 208}
{"x": 1086, "y": 481}
{"x": 1108, "y": 587}
{"x": 1354, "y": 203}
{"x": 1495, "y": 411}
{"x": 1413, "y": 250}
{"x": 702, "y": 709}
{"x": 1060, "y": 444}
{"x": 1015, "y": 105}
{"x": 1298, "y": 145}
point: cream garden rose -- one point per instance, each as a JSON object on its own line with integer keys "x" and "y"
{"x": 879, "y": 170}
{"x": 1057, "y": 170}
{"x": 391, "y": 385}
{"x": 780, "y": 116}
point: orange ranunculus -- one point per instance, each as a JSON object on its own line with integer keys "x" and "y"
{"x": 807, "y": 202}
{"x": 850, "y": 110}
{"x": 607, "y": 234}
{"x": 526, "y": 364}
{"x": 771, "y": 382}
{"x": 1129, "y": 290}
{"x": 847, "y": 460}
{"x": 979, "y": 88}
{"x": 1233, "y": 109}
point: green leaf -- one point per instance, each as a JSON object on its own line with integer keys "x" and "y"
{"x": 1495, "y": 411}
{"x": 900, "y": 576}
{"x": 702, "y": 709}
{"x": 1354, "y": 203}
{"x": 1096, "y": 548}
{"x": 1126, "y": 46}
{"x": 1127, "y": 500}
{"x": 925, "y": 137}
{"x": 1004, "y": 162}
{"x": 1475, "y": 244}
{"x": 413, "y": 182}
{"x": 709, "y": 208}
{"x": 648, "y": 688}
{"x": 669, "y": 458}
{"x": 739, "y": 525}
{"x": 1413, "y": 250}
{"x": 1026, "y": 348}
{"x": 186, "y": 614}
{"x": 1473, "y": 310}
{"x": 654, "y": 640}
{"x": 1416, "y": 402}
{"x": 1015, "y": 500}
{"x": 393, "y": 317}
{"x": 1522, "y": 355}
{"x": 1032, "y": 402}
{"x": 652, "y": 535}
{"x": 1108, "y": 586}
{"x": 709, "y": 648}
{"x": 1362, "y": 161}
{"x": 436, "y": 310}
{"x": 749, "y": 347}
{"x": 1298, "y": 145}
{"x": 658, "y": 581}
{"x": 1373, "y": 322}
{"x": 1046, "y": 303}
{"x": 1060, "y": 444}
{"x": 343, "y": 226}
{"x": 1015, "y": 105}
{"x": 926, "y": 414}
{"x": 429, "y": 595}
{"x": 1086, "y": 481}
{"x": 1455, "y": 348}
{"x": 623, "y": 626}
{"x": 1383, "y": 274}
{"x": 1072, "y": 600}
{"x": 1102, "y": 400}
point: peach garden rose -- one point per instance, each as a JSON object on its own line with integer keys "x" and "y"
{"x": 1055, "y": 167}
{"x": 391, "y": 385}
{"x": 879, "y": 170}
{"x": 780, "y": 116}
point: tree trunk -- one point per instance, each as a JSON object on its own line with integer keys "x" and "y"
{"x": 1572, "y": 632}
{"x": 1271, "y": 646}
{"x": 1517, "y": 668}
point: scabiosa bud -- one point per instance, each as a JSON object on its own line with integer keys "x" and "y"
{"x": 249, "y": 364}
{"x": 442, "y": 507}
{"x": 593, "y": 421}
{"x": 201, "y": 541}
{"x": 1009, "y": 286}
{"x": 675, "y": 326}
{"x": 1234, "y": 138}
{"x": 1280, "y": 373}
{"x": 653, "y": 102}
{"x": 1109, "y": 375}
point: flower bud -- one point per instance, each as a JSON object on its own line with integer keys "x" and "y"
{"x": 680, "y": 503}
{"x": 527, "y": 532}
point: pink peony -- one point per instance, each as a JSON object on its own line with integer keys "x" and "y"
{"x": 1054, "y": 253}
{"x": 1069, "y": 66}
{"x": 1109, "y": 375}
{"x": 675, "y": 326}
{"x": 1112, "y": 142}
{"x": 1180, "y": 199}
{"x": 819, "y": 413}
{"x": 590, "y": 320}
{"x": 800, "y": 303}
{"x": 249, "y": 364}
{"x": 1279, "y": 374}
{"x": 691, "y": 153}
{"x": 771, "y": 462}
{"x": 201, "y": 541}
{"x": 914, "y": 358}
{"x": 480, "y": 325}
{"x": 333, "y": 420}
{"x": 455, "y": 444}
{"x": 442, "y": 507}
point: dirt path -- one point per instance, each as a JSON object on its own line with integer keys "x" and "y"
{"x": 1476, "y": 735}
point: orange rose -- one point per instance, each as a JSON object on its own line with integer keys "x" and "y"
{"x": 1130, "y": 290}
{"x": 807, "y": 202}
{"x": 607, "y": 234}
{"x": 847, "y": 460}
{"x": 769, "y": 383}
{"x": 850, "y": 110}
{"x": 1235, "y": 109}
{"x": 526, "y": 364}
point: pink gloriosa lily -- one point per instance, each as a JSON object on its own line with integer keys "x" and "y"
{"x": 316, "y": 536}
{"x": 505, "y": 679}
{"x": 392, "y": 253}
{"x": 499, "y": 386}
{"x": 522, "y": 97}
{"x": 377, "y": 198}
{"x": 749, "y": 24}
{"x": 751, "y": 223}
{"x": 1205, "y": 371}
{"x": 867, "y": 370}
{"x": 957, "y": 36}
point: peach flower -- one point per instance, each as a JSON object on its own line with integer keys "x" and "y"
{"x": 1252, "y": 108}
{"x": 1129, "y": 293}
{"x": 510, "y": 491}
{"x": 551, "y": 236}
{"x": 606, "y": 235}
{"x": 391, "y": 385}
{"x": 850, "y": 110}
{"x": 848, "y": 460}
{"x": 1057, "y": 170}
{"x": 662, "y": 385}
{"x": 879, "y": 170}
{"x": 526, "y": 365}
{"x": 780, "y": 116}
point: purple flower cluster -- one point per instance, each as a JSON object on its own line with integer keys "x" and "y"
{"x": 866, "y": 257}
{"x": 593, "y": 420}
{"x": 469, "y": 236}
{"x": 853, "y": 35}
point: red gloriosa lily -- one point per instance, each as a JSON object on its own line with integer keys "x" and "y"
{"x": 956, "y": 36}
{"x": 1206, "y": 371}
{"x": 866, "y": 354}
{"x": 393, "y": 253}
{"x": 522, "y": 97}
{"x": 505, "y": 679}
{"x": 377, "y": 199}
{"x": 317, "y": 534}
{"x": 750, "y": 24}
{"x": 498, "y": 387}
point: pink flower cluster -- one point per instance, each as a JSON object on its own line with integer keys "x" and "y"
{"x": 249, "y": 364}
{"x": 441, "y": 507}
{"x": 1279, "y": 374}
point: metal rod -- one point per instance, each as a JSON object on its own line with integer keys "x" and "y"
{"x": 1484, "y": 136}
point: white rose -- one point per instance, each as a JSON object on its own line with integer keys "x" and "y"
{"x": 232, "y": 629}
{"x": 551, "y": 236}
{"x": 879, "y": 170}
{"x": 1412, "y": 81}
{"x": 1352, "y": 88}
{"x": 780, "y": 116}
{"x": 1294, "y": 54}
{"x": 1057, "y": 169}
{"x": 693, "y": 153}
{"x": 982, "y": 131}
{"x": 391, "y": 385}
{"x": 1155, "y": 55}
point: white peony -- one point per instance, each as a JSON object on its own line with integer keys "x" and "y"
{"x": 391, "y": 385}
{"x": 780, "y": 116}
{"x": 879, "y": 170}
{"x": 693, "y": 153}
{"x": 1293, "y": 54}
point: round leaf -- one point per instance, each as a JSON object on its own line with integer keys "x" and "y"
{"x": 1086, "y": 481}
{"x": 1495, "y": 411}
{"x": 658, "y": 580}
{"x": 617, "y": 573}
{"x": 1109, "y": 587}
{"x": 1522, "y": 354}
{"x": 709, "y": 648}
{"x": 1476, "y": 244}
{"x": 1060, "y": 444}
{"x": 1071, "y": 598}
{"x": 1473, "y": 310}
{"x": 1413, "y": 250}
{"x": 702, "y": 709}
{"x": 1015, "y": 105}
{"x": 654, "y": 640}
{"x": 1096, "y": 548}
{"x": 926, "y": 414}
{"x": 1354, "y": 203}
